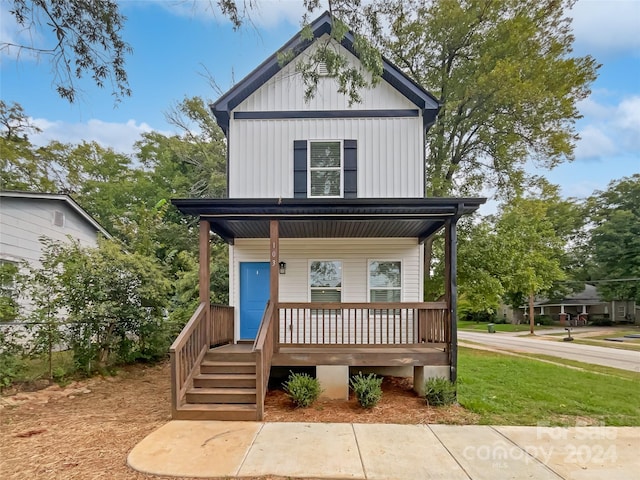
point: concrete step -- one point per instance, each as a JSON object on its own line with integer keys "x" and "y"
{"x": 222, "y": 395}
{"x": 217, "y": 380}
{"x": 229, "y": 412}
{"x": 208, "y": 366}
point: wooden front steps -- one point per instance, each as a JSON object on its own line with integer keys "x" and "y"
{"x": 225, "y": 388}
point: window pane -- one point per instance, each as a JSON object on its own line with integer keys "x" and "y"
{"x": 326, "y": 295}
{"x": 384, "y": 274}
{"x": 325, "y": 154}
{"x": 325, "y": 183}
{"x": 385, "y": 295}
{"x": 326, "y": 274}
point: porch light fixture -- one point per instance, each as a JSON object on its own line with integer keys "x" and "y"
{"x": 283, "y": 268}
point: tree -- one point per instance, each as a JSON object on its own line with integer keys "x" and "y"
{"x": 84, "y": 39}
{"x": 507, "y": 82}
{"x": 615, "y": 239}
{"x": 533, "y": 251}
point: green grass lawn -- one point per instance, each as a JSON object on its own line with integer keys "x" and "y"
{"x": 508, "y": 390}
{"x": 500, "y": 327}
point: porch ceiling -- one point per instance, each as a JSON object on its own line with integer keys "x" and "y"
{"x": 322, "y": 218}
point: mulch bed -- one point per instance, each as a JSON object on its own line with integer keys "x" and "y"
{"x": 86, "y": 429}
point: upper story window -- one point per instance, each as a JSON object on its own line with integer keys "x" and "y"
{"x": 325, "y": 169}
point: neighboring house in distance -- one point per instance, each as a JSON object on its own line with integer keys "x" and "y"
{"x": 585, "y": 306}
{"x": 326, "y": 222}
{"x": 27, "y": 216}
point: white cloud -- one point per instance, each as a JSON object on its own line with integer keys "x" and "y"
{"x": 12, "y": 36}
{"x": 607, "y": 26}
{"x": 613, "y": 130}
{"x": 262, "y": 14}
{"x": 594, "y": 144}
{"x": 119, "y": 136}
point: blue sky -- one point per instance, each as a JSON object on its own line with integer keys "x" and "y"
{"x": 175, "y": 41}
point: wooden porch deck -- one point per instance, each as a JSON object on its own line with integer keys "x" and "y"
{"x": 365, "y": 356}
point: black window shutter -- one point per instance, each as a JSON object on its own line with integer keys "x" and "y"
{"x": 350, "y": 169}
{"x": 300, "y": 169}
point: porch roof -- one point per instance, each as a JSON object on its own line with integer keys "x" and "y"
{"x": 328, "y": 217}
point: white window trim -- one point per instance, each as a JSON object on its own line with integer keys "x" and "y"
{"x": 341, "y": 168}
{"x": 309, "y": 287}
{"x": 402, "y": 282}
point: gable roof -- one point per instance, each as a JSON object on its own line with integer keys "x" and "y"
{"x": 60, "y": 197}
{"x": 426, "y": 102}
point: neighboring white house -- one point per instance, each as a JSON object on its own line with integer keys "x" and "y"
{"x": 27, "y": 216}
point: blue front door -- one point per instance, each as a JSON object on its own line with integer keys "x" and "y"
{"x": 254, "y": 293}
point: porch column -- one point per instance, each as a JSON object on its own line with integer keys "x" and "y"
{"x": 274, "y": 277}
{"x": 204, "y": 274}
{"x": 274, "y": 232}
{"x": 541, "y": 309}
{"x": 451, "y": 289}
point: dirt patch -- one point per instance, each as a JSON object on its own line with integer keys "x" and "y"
{"x": 86, "y": 429}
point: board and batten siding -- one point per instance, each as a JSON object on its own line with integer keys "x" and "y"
{"x": 354, "y": 253}
{"x": 285, "y": 91}
{"x": 390, "y": 149}
{"x": 24, "y": 220}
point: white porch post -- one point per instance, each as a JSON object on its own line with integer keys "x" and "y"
{"x": 541, "y": 310}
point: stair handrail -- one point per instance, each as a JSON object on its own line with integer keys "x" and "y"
{"x": 186, "y": 353}
{"x": 263, "y": 350}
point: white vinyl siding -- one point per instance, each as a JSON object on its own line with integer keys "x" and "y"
{"x": 285, "y": 91}
{"x": 325, "y": 167}
{"x": 25, "y": 220}
{"x": 353, "y": 253}
{"x": 390, "y": 155}
{"x": 390, "y": 149}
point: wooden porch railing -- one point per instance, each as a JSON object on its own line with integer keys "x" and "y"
{"x": 263, "y": 348}
{"x": 363, "y": 323}
{"x": 187, "y": 351}
{"x": 221, "y": 324}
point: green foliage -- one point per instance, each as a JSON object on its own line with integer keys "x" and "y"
{"x": 85, "y": 39}
{"x": 439, "y": 391}
{"x": 543, "y": 320}
{"x": 302, "y": 389}
{"x": 9, "y": 307}
{"x": 368, "y": 389}
{"x": 615, "y": 239}
{"x": 11, "y": 350}
{"x": 486, "y": 62}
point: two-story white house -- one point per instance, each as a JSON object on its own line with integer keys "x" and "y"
{"x": 25, "y": 217}
{"x": 326, "y": 220}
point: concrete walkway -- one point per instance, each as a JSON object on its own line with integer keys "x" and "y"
{"x": 365, "y": 451}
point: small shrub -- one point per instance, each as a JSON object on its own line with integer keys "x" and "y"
{"x": 543, "y": 320}
{"x": 302, "y": 389}
{"x": 368, "y": 389}
{"x": 439, "y": 391}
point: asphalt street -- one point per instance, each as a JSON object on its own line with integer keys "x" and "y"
{"x": 608, "y": 357}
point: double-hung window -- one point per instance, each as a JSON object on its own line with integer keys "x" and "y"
{"x": 385, "y": 281}
{"x": 325, "y": 169}
{"x": 325, "y": 281}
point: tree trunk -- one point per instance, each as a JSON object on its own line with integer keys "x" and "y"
{"x": 531, "y": 315}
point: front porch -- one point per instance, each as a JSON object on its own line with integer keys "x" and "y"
{"x": 216, "y": 379}
{"x": 229, "y": 381}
